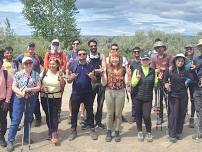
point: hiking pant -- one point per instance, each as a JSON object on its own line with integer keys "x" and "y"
{"x": 191, "y": 92}
{"x": 3, "y": 120}
{"x": 114, "y": 102}
{"x": 37, "y": 111}
{"x": 11, "y": 105}
{"x": 143, "y": 111}
{"x": 177, "y": 112}
{"x": 76, "y": 100}
{"x": 51, "y": 106}
{"x": 198, "y": 107}
{"x": 100, "y": 91}
{"x": 19, "y": 105}
{"x": 133, "y": 104}
{"x": 161, "y": 100}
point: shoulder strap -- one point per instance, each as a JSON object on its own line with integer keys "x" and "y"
{"x": 5, "y": 72}
{"x": 43, "y": 75}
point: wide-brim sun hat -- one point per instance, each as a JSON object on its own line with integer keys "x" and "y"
{"x": 199, "y": 42}
{"x": 26, "y": 58}
{"x": 55, "y": 40}
{"x": 180, "y": 55}
{"x": 159, "y": 44}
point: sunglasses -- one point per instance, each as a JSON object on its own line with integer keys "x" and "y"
{"x": 55, "y": 43}
{"x": 80, "y": 54}
{"x": 28, "y": 63}
{"x": 76, "y": 43}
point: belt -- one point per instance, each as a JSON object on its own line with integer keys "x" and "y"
{"x": 51, "y": 94}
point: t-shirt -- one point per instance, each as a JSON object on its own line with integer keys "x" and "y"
{"x": 37, "y": 61}
{"x": 21, "y": 79}
{"x": 52, "y": 82}
{"x": 11, "y": 67}
{"x": 82, "y": 83}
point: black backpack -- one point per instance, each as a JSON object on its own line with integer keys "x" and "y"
{"x": 5, "y": 72}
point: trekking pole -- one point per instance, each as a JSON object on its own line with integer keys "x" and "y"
{"x": 29, "y": 124}
{"x": 49, "y": 117}
{"x": 22, "y": 142}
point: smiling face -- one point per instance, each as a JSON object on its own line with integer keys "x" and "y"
{"x": 160, "y": 50}
{"x": 53, "y": 65}
{"x": 8, "y": 55}
{"x": 82, "y": 55}
{"x": 190, "y": 51}
{"x": 114, "y": 60}
{"x": 145, "y": 62}
{"x": 28, "y": 65}
{"x": 76, "y": 45}
{"x": 179, "y": 62}
{"x": 93, "y": 47}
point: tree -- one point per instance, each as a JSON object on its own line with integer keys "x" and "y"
{"x": 52, "y": 19}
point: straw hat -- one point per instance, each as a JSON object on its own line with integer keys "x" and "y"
{"x": 158, "y": 44}
{"x": 199, "y": 42}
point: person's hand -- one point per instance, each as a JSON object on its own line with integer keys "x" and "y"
{"x": 168, "y": 85}
{"x": 73, "y": 76}
{"x": 91, "y": 75}
{"x": 193, "y": 66}
{"x": 5, "y": 106}
{"x": 71, "y": 60}
{"x": 157, "y": 70}
{"x": 128, "y": 70}
{"x": 138, "y": 75}
{"x": 99, "y": 71}
{"x": 160, "y": 76}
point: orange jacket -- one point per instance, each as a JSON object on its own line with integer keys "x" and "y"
{"x": 60, "y": 56}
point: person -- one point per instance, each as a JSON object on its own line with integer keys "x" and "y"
{"x": 189, "y": 54}
{"x": 114, "y": 79}
{"x": 52, "y": 86}
{"x": 5, "y": 97}
{"x": 144, "y": 79}
{"x": 12, "y": 66}
{"x": 37, "y": 66}
{"x": 97, "y": 60}
{"x": 71, "y": 58}
{"x": 56, "y": 51}
{"x": 81, "y": 74}
{"x": 134, "y": 64}
{"x": 176, "y": 81}
{"x": 26, "y": 84}
{"x": 160, "y": 62}
{"x": 197, "y": 67}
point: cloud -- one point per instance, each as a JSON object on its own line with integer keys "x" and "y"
{"x": 11, "y": 6}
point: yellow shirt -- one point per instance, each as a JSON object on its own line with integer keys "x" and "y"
{"x": 9, "y": 66}
{"x": 52, "y": 82}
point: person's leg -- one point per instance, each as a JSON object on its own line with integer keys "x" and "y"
{"x": 161, "y": 105}
{"x": 191, "y": 92}
{"x": 18, "y": 109}
{"x": 3, "y": 125}
{"x": 138, "y": 109}
{"x": 11, "y": 106}
{"x": 37, "y": 112}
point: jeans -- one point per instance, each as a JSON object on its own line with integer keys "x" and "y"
{"x": 51, "y": 107}
{"x": 21, "y": 106}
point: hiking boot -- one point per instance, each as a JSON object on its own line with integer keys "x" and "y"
{"x": 124, "y": 119}
{"x": 84, "y": 126}
{"x": 191, "y": 122}
{"x": 131, "y": 120}
{"x": 197, "y": 136}
{"x": 172, "y": 140}
{"x": 37, "y": 123}
{"x": 93, "y": 134}
{"x": 100, "y": 125}
{"x": 69, "y": 120}
{"x": 3, "y": 142}
{"x": 149, "y": 137}
{"x": 179, "y": 136}
{"x": 55, "y": 138}
{"x": 108, "y": 138}
{"x": 73, "y": 134}
{"x": 10, "y": 147}
{"x": 140, "y": 136}
{"x": 81, "y": 120}
{"x": 117, "y": 137}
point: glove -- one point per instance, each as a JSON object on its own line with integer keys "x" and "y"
{"x": 5, "y": 106}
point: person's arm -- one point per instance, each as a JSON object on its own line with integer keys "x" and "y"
{"x": 104, "y": 78}
{"x": 9, "y": 88}
{"x": 153, "y": 62}
{"x": 17, "y": 90}
{"x": 46, "y": 60}
{"x": 64, "y": 59}
{"x": 104, "y": 63}
{"x": 37, "y": 87}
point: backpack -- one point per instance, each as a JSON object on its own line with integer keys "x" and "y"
{"x": 5, "y": 72}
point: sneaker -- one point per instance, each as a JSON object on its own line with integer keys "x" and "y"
{"x": 191, "y": 122}
{"x": 124, "y": 119}
{"x": 84, "y": 126}
{"x": 108, "y": 138}
{"x": 197, "y": 136}
{"x": 37, "y": 123}
{"x": 149, "y": 137}
{"x": 72, "y": 135}
{"x": 140, "y": 136}
{"x": 55, "y": 139}
{"x": 117, "y": 137}
{"x": 69, "y": 120}
{"x": 93, "y": 134}
{"x": 172, "y": 140}
{"x": 10, "y": 147}
{"x": 131, "y": 120}
{"x": 3, "y": 142}
{"x": 81, "y": 120}
{"x": 100, "y": 125}
{"x": 179, "y": 136}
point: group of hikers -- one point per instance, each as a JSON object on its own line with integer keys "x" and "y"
{"x": 28, "y": 81}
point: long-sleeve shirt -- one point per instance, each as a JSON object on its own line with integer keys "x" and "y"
{"x": 134, "y": 80}
{"x": 5, "y": 92}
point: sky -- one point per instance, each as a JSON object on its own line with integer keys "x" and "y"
{"x": 121, "y": 17}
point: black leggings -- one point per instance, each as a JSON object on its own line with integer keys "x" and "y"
{"x": 143, "y": 111}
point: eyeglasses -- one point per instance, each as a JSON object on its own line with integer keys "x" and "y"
{"x": 80, "y": 54}
{"x": 28, "y": 63}
{"x": 76, "y": 43}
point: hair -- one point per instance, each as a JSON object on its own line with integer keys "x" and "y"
{"x": 114, "y": 44}
{"x": 76, "y": 40}
{"x": 157, "y": 39}
{"x": 110, "y": 67}
{"x": 136, "y": 48}
{"x": 9, "y": 48}
{"x": 92, "y": 40}
{"x": 56, "y": 61}
{"x": 81, "y": 50}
